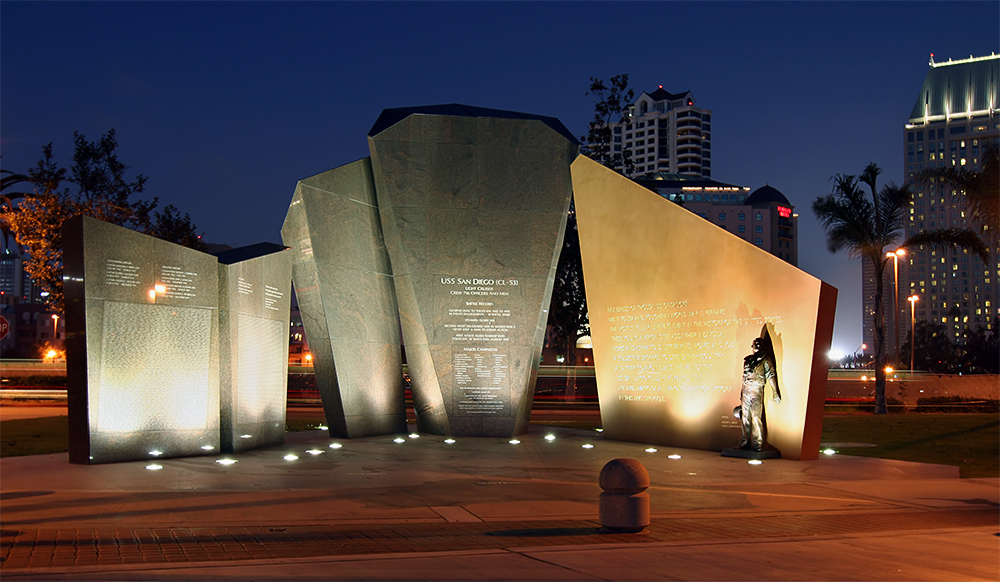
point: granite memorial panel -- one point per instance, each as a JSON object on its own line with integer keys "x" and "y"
{"x": 473, "y": 207}
{"x": 343, "y": 283}
{"x": 254, "y": 302}
{"x": 142, "y": 345}
{"x": 675, "y": 304}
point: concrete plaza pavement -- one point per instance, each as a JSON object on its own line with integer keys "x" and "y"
{"x": 486, "y": 509}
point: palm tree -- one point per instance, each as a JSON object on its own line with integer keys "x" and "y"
{"x": 865, "y": 228}
{"x": 981, "y": 188}
{"x": 8, "y": 180}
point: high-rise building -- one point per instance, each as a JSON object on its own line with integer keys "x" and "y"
{"x": 952, "y": 122}
{"x": 665, "y": 132}
{"x": 763, "y": 217}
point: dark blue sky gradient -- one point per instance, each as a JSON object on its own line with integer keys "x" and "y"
{"x": 224, "y": 106}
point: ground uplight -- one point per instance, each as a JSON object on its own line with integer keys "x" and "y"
{"x": 290, "y": 457}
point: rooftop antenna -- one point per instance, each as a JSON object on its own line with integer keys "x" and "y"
{"x": 932, "y": 59}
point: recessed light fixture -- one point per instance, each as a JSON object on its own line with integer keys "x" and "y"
{"x": 335, "y": 445}
{"x": 399, "y": 440}
{"x": 449, "y": 441}
{"x": 414, "y": 435}
{"x": 156, "y": 453}
{"x": 154, "y": 467}
{"x": 829, "y": 452}
{"x": 674, "y": 456}
{"x": 290, "y": 457}
{"x": 755, "y": 462}
{"x": 226, "y": 461}
{"x": 315, "y": 452}
{"x": 323, "y": 427}
{"x": 207, "y": 447}
{"x": 514, "y": 442}
{"x": 650, "y": 450}
{"x": 245, "y": 436}
{"x": 587, "y": 446}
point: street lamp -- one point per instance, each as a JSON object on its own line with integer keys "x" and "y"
{"x": 913, "y": 325}
{"x": 55, "y": 327}
{"x": 895, "y": 291}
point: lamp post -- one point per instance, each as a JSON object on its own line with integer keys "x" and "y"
{"x": 913, "y": 328}
{"x": 55, "y": 327}
{"x": 895, "y": 290}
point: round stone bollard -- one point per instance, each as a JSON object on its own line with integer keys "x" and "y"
{"x": 624, "y": 505}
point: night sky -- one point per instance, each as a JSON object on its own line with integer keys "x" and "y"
{"x": 224, "y": 106}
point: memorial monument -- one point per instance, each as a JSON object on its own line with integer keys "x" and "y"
{"x": 674, "y": 302}
{"x": 473, "y": 205}
{"x": 254, "y": 302}
{"x": 346, "y": 297}
{"x": 143, "y": 346}
{"x": 449, "y": 233}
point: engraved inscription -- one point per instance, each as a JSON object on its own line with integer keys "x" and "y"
{"x": 271, "y": 297}
{"x": 120, "y": 273}
{"x": 479, "y": 324}
{"x": 179, "y": 284}
{"x": 244, "y": 287}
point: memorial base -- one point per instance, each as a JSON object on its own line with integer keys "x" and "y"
{"x": 768, "y": 453}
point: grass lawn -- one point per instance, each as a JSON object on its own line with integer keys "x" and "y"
{"x": 969, "y": 441}
{"x": 34, "y": 436}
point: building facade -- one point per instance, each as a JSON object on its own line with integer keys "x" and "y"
{"x": 763, "y": 217}
{"x": 953, "y": 121}
{"x": 665, "y": 132}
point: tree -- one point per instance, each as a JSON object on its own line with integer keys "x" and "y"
{"x": 101, "y": 190}
{"x": 568, "y": 319}
{"x": 9, "y": 180}
{"x": 865, "y": 228}
{"x": 982, "y": 349}
{"x": 934, "y": 352}
{"x": 981, "y": 188}
{"x": 613, "y": 102}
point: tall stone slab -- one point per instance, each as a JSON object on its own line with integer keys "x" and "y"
{"x": 344, "y": 287}
{"x": 675, "y": 303}
{"x": 254, "y": 302}
{"x": 142, "y": 345}
{"x": 473, "y": 207}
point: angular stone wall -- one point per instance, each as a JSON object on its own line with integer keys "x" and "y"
{"x": 254, "y": 301}
{"x": 675, "y": 303}
{"x": 343, "y": 283}
{"x": 473, "y": 207}
{"x": 143, "y": 346}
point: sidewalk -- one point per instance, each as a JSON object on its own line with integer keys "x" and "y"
{"x": 486, "y": 509}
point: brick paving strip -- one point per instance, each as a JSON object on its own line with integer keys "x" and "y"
{"x": 70, "y": 547}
